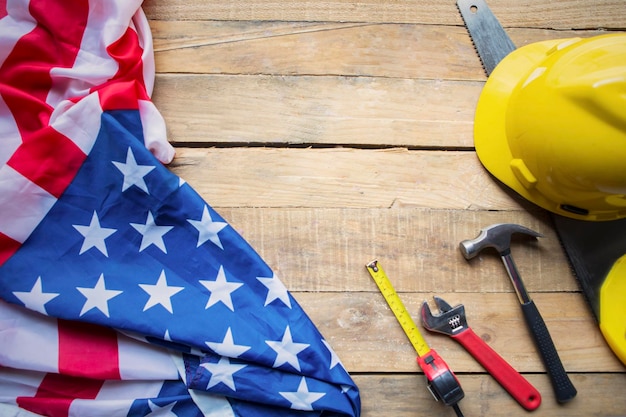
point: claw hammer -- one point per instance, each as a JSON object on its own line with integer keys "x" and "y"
{"x": 498, "y": 236}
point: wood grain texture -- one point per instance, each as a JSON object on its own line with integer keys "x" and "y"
{"x": 407, "y": 396}
{"x": 341, "y": 177}
{"x": 401, "y": 51}
{"x": 326, "y": 249}
{"x": 347, "y": 49}
{"x": 344, "y": 111}
{"x": 565, "y": 14}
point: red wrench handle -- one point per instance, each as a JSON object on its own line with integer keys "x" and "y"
{"x": 511, "y": 380}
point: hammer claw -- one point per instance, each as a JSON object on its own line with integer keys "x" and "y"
{"x": 497, "y": 236}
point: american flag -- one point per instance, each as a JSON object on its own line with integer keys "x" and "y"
{"x": 124, "y": 292}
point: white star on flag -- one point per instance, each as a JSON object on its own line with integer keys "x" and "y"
{"x": 221, "y": 290}
{"x": 97, "y": 297}
{"x": 286, "y": 350}
{"x": 165, "y": 411}
{"x": 152, "y": 234}
{"x": 160, "y": 293}
{"x": 133, "y": 173}
{"x": 302, "y": 399}
{"x": 334, "y": 358}
{"x": 222, "y": 372}
{"x": 35, "y": 299}
{"x": 276, "y": 290}
{"x": 208, "y": 229}
{"x": 228, "y": 346}
{"x": 94, "y": 235}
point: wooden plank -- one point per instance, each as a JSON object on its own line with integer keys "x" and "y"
{"x": 317, "y": 110}
{"x": 290, "y": 48}
{"x": 326, "y": 249}
{"x": 599, "y": 395}
{"x": 400, "y": 84}
{"x": 403, "y": 51}
{"x": 364, "y": 333}
{"x": 341, "y": 177}
{"x": 564, "y": 14}
{"x": 170, "y": 35}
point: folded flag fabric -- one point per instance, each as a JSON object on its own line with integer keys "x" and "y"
{"x": 60, "y": 368}
{"x": 125, "y": 293}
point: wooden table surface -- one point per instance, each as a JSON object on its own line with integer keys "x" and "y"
{"x": 330, "y": 133}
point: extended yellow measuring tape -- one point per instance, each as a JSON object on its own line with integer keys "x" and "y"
{"x": 442, "y": 382}
{"x": 398, "y": 308}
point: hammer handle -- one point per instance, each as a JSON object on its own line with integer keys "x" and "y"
{"x": 511, "y": 380}
{"x": 564, "y": 390}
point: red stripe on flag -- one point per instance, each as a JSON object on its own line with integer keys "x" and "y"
{"x": 49, "y": 159}
{"x": 88, "y": 355}
{"x": 56, "y": 393}
{"x": 25, "y": 74}
{"x": 3, "y": 8}
{"x": 126, "y": 87}
{"x": 88, "y": 350}
{"x": 8, "y": 247}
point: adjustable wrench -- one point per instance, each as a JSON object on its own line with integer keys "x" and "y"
{"x": 452, "y": 321}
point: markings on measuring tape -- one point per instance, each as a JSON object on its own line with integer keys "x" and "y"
{"x": 398, "y": 308}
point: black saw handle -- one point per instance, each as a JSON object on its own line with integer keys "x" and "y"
{"x": 564, "y": 390}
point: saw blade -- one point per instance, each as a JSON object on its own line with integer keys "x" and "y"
{"x": 592, "y": 249}
{"x": 489, "y": 37}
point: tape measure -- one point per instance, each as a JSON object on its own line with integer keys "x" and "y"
{"x": 442, "y": 383}
{"x": 397, "y": 307}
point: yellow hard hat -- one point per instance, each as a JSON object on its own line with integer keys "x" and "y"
{"x": 551, "y": 124}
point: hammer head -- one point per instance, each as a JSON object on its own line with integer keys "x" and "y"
{"x": 496, "y": 236}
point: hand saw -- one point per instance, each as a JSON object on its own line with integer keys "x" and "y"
{"x": 596, "y": 250}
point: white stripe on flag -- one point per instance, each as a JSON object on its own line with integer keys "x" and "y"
{"x": 129, "y": 390}
{"x": 11, "y": 138}
{"x": 23, "y": 204}
{"x": 7, "y": 410}
{"x": 144, "y": 33}
{"x": 139, "y": 360}
{"x": 28, "y": 339}
{"x": 31, "y": 341}
{"x": 212, "y": 405}
{"x": 80, "y": 122}
{"x": 16, "y": 383}
{"x": 115, "y": 398}
{"x": 93, "y": 65}
{"x": 10, "y": 32}
{"x": 154, "y": 132}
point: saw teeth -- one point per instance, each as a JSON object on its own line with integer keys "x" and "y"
{"x": 482, "y": 64}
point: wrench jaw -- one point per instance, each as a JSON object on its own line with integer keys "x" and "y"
{"x": 450, "y": 320}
